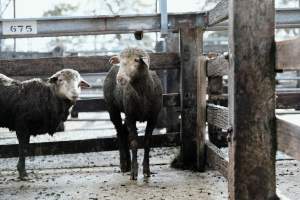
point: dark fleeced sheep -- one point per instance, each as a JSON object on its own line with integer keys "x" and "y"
{"x": 36, "y": 107}
{"x": 133, "y": 89}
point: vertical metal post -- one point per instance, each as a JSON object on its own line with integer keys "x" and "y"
{"x": 0, "y": 18}
{"x": 298, "y": 72}
{"x": 14, "y": 7}
{"x": 164, "y": 18}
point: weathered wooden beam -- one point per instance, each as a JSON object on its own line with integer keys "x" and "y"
{"x": 201, "y": 112}
{"x": 218, "y": 116}
{"x": 85, "y": 146}
{"x": 190, "y": 48}
{"x": 216, "y": 159}
{"x": 90, "y": 105}
{"x": 252, "y": 144}
{"x": 284, "y": 99}
{"x": 98, "y": 104}
{"x": 217, "y": 67}
{"x": 285, "y": 18}
{"x": 287, "y": 54}
{"x": 287, "y": 100}
{"x": 172, "y": 84}
{"x": 215, "y": 96}
{"x": 171, "y": 100}
{"x": 218, "y": 14}
{"x": 288, "y": 138}
{"x": 89, "y": 64}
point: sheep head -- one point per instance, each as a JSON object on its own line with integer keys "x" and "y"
{"x": 68, "y": 84}
{"x": 134, "y": 63}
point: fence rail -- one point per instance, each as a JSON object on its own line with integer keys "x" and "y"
{"x": 286, "y": 51}
{"x": 89, "y": 64}
{"x": 284, "y": 18}
{"x": 87, "y": 145}
{"x": 98, "y": 104}
{"x": 74, "y": 26}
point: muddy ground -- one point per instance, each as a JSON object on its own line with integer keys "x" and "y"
{"x": 97, "y": 175}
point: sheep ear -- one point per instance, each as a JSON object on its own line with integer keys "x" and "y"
{"x": 84, "y": 84}
{"x": 114, "y": 60}
{"x": 53, "y": 79}
{"x": 146, "y": 60}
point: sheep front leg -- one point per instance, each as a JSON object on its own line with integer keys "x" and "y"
{"x": 148, "y": 133}
{"x": 23, "y": 145}
{"x": 131, "y": 126}
{"x": 122, "y": 135}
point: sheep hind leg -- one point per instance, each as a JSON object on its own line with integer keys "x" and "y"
{"x": 148, "y": 133}
{"x": 133, "y": 145}
{"x": 23, "y": 145}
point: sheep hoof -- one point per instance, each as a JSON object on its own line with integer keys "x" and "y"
{"x": 125, "y": 169}
{"x": 147, "y": 174}
{"x": 125, "y": 166}
{"x": 133, "y": 174}
{"x": 23, "y": 176}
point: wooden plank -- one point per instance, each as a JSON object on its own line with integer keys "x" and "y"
{"x": 218, "y": 14}
{"x": 98, "y": 104}
{"x": 216, "y": 159}
{"x": 217, "y": 67}
{"x": 287, "y": 100}
{"x": 284, "y": 100}
{"x": 190, "y": 48}
{"x": 90, "y": 105}
{"x": 172, "y": 83}
{"x": 287, "y": 54}
{"x": 201, "y": 112}
{"x": 85, "y": 146}
{"x": 171, "y": 100}
{"x": 89, "y": 64}
{"x": 215, "y": 90}
{"x": 252, "y": 144}
{"x": 218, "y": 116}
{"x": 288, "y": 138}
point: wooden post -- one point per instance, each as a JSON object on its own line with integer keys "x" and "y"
{"x": 190, "y": 49}
{"x": 172, "y": 46}
{"x": 201, "y": 111}
{"x": 252, "y": 100}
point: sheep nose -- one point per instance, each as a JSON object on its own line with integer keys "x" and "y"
{"x": 75, "y": 97}
{"x": 121, "y": 80}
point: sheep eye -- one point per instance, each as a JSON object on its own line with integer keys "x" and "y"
{"x": 137, "y": 60}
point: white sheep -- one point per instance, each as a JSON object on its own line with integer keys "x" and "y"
{"x": 36, "y": 107}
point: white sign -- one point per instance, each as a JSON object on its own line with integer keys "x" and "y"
{"x": 19, "y": 27}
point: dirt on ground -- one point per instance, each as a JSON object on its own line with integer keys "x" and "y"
{"x": 97, "y": 176}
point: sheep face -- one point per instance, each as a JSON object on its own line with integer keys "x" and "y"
{"x": 133, "y": 62}
{"x": 68, "y": 84}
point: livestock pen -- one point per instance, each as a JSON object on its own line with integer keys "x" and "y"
{"x": 249, "y": 124}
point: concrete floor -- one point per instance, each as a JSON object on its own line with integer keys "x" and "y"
{"x": 97, "y": 175}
